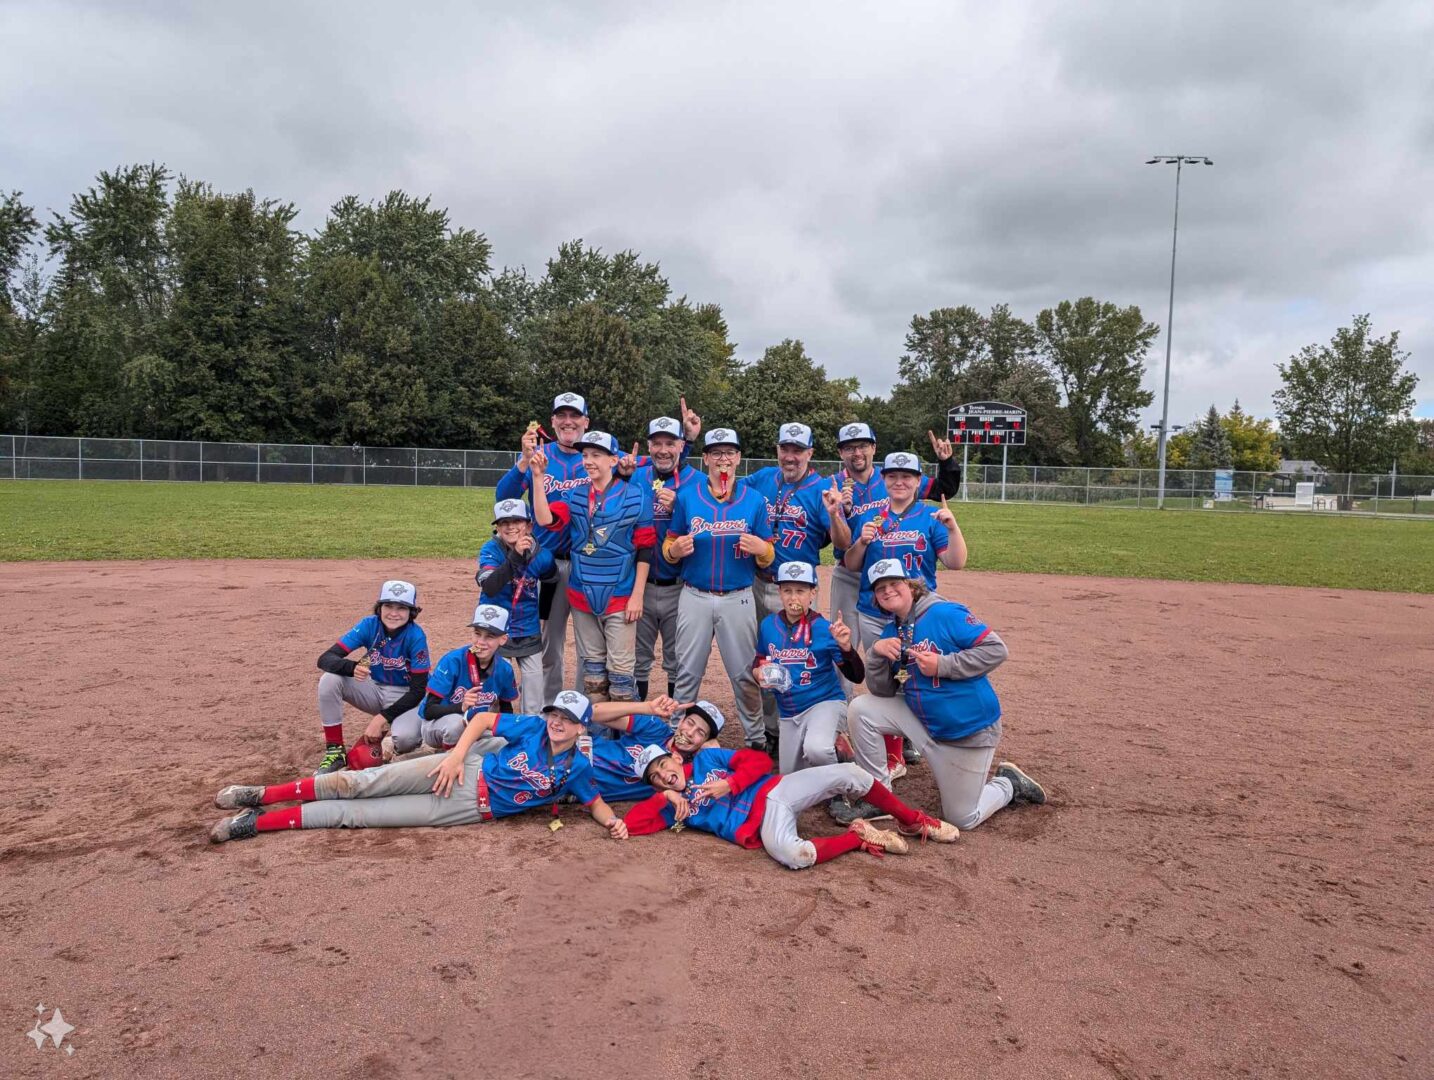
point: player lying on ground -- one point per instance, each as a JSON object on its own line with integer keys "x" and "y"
{"x": 799, "y": 655}
{"x": 927, "y": 677}
{"x": 734, "y": 794}
{"x": 631, "y": 732}
{"x": 537, "y": 766}
{"x": 387, "y": 682}
{"x": 511, "y": 569}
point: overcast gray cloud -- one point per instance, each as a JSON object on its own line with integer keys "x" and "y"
{"x": 821, "y": 170}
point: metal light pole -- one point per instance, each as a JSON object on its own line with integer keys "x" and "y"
{"x": 1178, "y": 160}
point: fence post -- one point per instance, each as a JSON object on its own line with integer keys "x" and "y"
{"x": 965, "y": 474}
{"x": 80, "y": 456}
{"x": 1139, "y": 486}
{"x": 415, "y": 468}
{"x": 363, "y": 450}
{"x": 1087, "y": 487}
{"x": 311, "y": 464}
{"x": 258, "y": 463}
{"x": 141, "y": 459}
{"x": 201, "y": 461}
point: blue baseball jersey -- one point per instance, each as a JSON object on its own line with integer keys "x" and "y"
{"x": 801, "y": 524}
{"x": 914, "y": 536}
{"x": 393, "y": 659}
{"x": 520, "y": 596}
{"x": 615, "y": 526}
{"x": 525, "y": 774}
{"x": 809, "y": 653}
{"x": 949, "y": 708}
{"x": 615, "y": 759}
{"x": 662, "y": 571}
{"x": 717, "y": 563}
{"x": 872, "y": 496}
{"x": 565, "y": 472}
{"x": 723, "y": 817}
{"x": 458, "y": 672}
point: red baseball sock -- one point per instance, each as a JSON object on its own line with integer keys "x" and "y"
{"x": 273, "y": 820}
{"x": 829, "y": 847}
{"x": 333, "y": 734}
{"x": 294, "y": 789}
{"x": 893, "y": 748}
{"x": 880, "y": 796}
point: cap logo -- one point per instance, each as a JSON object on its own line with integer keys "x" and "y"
{"x": 490, "y": 613}
{"x": 901, "y": 459}
{"x": 396, "y": 589}
{"x": 721, "y": 435}
{"x": 567, "y": 399}
{"x": 852, "y": 431}
{"x": 794, "y": 430}
{"x": 569, "y": 699}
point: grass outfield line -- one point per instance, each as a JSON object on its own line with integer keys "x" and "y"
{"x": 67, "y": 519}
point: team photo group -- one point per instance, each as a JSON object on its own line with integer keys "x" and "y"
{"x": 651, "y": 558}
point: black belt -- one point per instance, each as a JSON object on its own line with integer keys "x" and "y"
{"x": 718, "y": 592}
{"x": 664, "y": 584}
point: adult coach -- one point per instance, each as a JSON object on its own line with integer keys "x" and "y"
{"x": 718, "y": 537}
{"x": 564, "y": 473}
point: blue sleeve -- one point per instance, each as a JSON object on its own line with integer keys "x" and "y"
{"x": 507, "y": 686}
{"x": 887, "y": 631}
{"x": 963, "y": 628}
{"x": 763, "y": 525}
{"x": 490, "y": 556}
{"x": 361, "y": 635}
{"x": 542, "y": 562}
{"x": 936, "y": 532}
{"x": 581, "y": 783}
{"x": 649, "y": 730}
{"x": 415, "y": 646}
{"x": 513, "y": 484}
{"x": 444, "y": 678}
{"x": 680, "y": 516}
{"x": 514, "y": 726}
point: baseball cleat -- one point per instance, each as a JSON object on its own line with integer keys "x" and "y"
{"x": 237, "y": 795}
{"x": 239, "y": 827}
{"x": 335, "y": 758}
{"x": 843, "y": 811}
{"x": 844, "y": 750}
{"x": 387, "y": 750}
{"x": 882, "y": 839}
{"x": 1023, "y": 788}
{"x": 930, "y": 828}
{"x": 895, "y": 769}
{"x": 910, "y": 754}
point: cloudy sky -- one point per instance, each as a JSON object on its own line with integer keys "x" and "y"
{"x": 821, "y": 170}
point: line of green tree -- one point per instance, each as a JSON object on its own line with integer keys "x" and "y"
{"x": 157, "y": 307}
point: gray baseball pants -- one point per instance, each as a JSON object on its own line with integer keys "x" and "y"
{"x": 809, "y": 738}
{"x": 409, "y": 731}
{"x": 732, "y": 619}
{"x": 606, "y": 644}
{"x": 659, "y": 620}
{"x": 795, "y": 793}
{"x": 846, "y": 587}
{"x": 960, "y": 768}
{"x": 363, "y": 694}
{"x": 394, "y": 796}
{"x": 555, "y": 635}
{"x": 530, "y": 683}
{"x": 769, "y": 601}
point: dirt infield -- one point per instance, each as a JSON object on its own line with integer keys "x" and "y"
{"x": 1233, "y": 877}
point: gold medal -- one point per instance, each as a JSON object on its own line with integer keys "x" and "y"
{"x": 657, "y": 486}
{"x": 677, "y": 826}
{"x": 533, "y": 425}
{"x": 901, "y": 676}
{"x": 589, "y": 548}
{"x": 555, "y": 825}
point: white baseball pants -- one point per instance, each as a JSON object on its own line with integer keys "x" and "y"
{"x": 732, "y": 619}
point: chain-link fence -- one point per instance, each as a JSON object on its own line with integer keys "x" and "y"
{"x": 53, "y": 458}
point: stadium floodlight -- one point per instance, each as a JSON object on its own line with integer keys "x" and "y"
{"x": 1178, "y": 160}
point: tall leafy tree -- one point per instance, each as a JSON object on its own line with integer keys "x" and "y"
{"x": 1346, "y": 405}
{"x": 1254, "y": 444}
{"x": 592, "y": 352}
{"x": 18, "y": 229}
{"x": 785, "y": 385}
{"x": 1097, "y": 351}
{"x": 1210, "y": 443}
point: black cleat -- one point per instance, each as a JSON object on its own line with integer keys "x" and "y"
{"x": 238, "y": 795}
{"x": 843, "y": 811}
{"x": 1023, "y": 787}
{"x": 335, "y": 758}
{"x": 909, "y": 753}
{"x": 239, "y": 827}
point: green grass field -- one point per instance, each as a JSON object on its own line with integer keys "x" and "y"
{"x": 63, "y": 520}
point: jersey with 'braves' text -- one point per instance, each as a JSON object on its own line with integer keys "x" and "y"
{"x": 717, "y": 562}
{"x": 525, "y": 773}
{"x": 914, "y": 536}
{"x": 809, "y": 653}
{"x": 663, "y": 572}
{"x": 869, "y": 496}
{"x": 801, "y": 524}
{"x": 950, "y": 708}
{"x": 724, "y": 817}
{"x": 519, "y": 598}
{"x": 392, "y": 659}
{"x": 564, "y": 473}
{"x": 458, "y": 672}
{"x": 606, "y": 531}
{"x": 615, "y": 759}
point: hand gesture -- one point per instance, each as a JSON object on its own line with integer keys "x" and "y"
{"x": 361, "y": 672}
{"x": 617, "y": 829}
{"x": 712, "y": 789}
{"x": 940, "y": 447}
{"x": 870, "y": 531}
{"x": 888, "y": 648}
{"x": 926, "y": 662}
{"x": 665, "y": 498}
{"x": 680, "y": 806}
{"x": 691, "y": 422}
{"x": 832, "y": 497}
{"x": 526, "y": 545}
{"x": 682, "y": 546}
{"x": 528, "y": 445}
{"x": 449, "y": 772}
{"x": 841, "y": 633}
{"x": 945, "y": 517}
{"x": 470, "y": 697}
{"x": 665, "y": 706}
{"x": 627, "y": 463}
{"x": 633, "y": 612}
{"x": 538, "y": 463}
{"x": 752, "y": 545}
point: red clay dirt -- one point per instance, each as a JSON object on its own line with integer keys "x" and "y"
{"x": 1232, "y": 877}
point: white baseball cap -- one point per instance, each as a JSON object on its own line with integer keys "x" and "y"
{"x": 575, "y": 705}
{"x": 795, "y": 435}
{"x": 647, "y": 757}
{"x": 664, "y": 425}
{"x": 802, "y": 573}
{"x": 721, "y": 437}
{"x": 510, "y": 510}
{"x": 885, "y": 570}
{"x": 399, "y": 592}
{"x": 855, "y": 433}
{"x": 901, "y": 462}
{"x": 490, "y": 617}
{"x": 570, "y": 401}
{"x": 599, "y": 440}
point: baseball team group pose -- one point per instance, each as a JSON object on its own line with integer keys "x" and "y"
{"x": 651, "y": 555}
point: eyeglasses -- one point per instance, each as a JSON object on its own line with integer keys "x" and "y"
{"x": 723, "y": 455}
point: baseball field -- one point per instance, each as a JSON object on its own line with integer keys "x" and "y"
{"x": 1233, "y": 875}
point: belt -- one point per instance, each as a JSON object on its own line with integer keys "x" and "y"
{"x": 718, "y": 592}
{"x": 485, "y": 812}
{"x": 664, "y": 584}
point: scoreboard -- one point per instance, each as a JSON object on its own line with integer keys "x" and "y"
{"x": 986, "y": 423}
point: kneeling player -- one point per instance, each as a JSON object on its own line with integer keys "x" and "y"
{"x": 538, "y": 765}
{"x": 734, "y": 794}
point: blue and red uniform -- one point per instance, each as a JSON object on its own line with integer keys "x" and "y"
{"x": 519, "y": 597}
{"x": 871, "y": 496}
{"x": 565, "y": 472}
{"x": 616, "y": 524}
{"x": 914, "y": 537}
{"x": 615, "y": 758}
{"x": 663, "y": 572}
{"x": 809, "y": 653}
{"x": 801, "y": 523}
{"x": 458, "y": 672}
{"x": 717, "y": 563}
{"x": 950, "y": 708}
{"x": 736, "y": 817}
{"x": 525, "y": 773}
{"x": 392, "y": 658}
